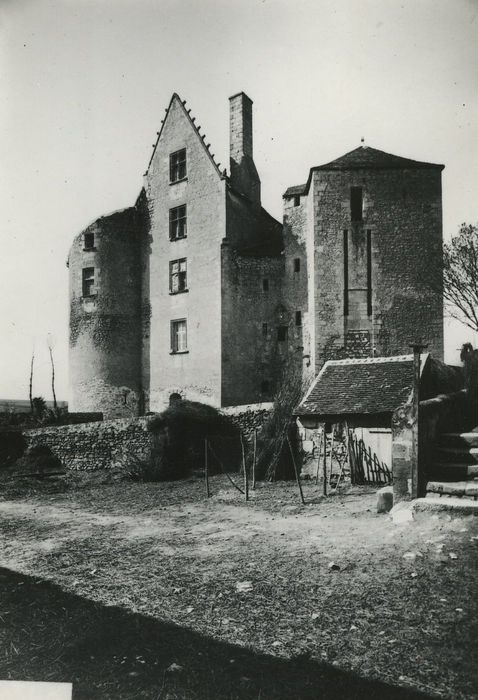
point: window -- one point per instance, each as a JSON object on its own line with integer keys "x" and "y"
{"x": 265, "y": 386}
{"x": 179, "y": 336}
{"x": 296, "y": 264}
{"x": 177, "y": 276}
{"x": 356, "y": 203}
{"x": 177, "y": 165}
{"x": 281, "y": 333}
{"x": 264, "y": 329}
{"x": 89, "y": 241}
{"x": 296, "y": 200}
{"x": 298, "y": 318}
{"x": 177, "y": 222}
{"x": 265, "y": 285}
{"x": 369, "y": 272}
{"x": 88, "y": 281}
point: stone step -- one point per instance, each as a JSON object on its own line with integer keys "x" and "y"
{"x": 454, "y": 488}
{"x": 452, "y": 506}
{"x": 459, "y": 439}
{"x": 467, "y": 455}
{"x": 452, "y": 471}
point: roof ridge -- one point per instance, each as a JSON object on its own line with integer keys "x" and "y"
{"x": 370, "y": 360}
{"x": 197, "y": 129}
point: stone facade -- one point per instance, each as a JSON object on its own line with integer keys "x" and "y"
{"x": 366, "y": 292}
{"x": 197, "y": 291}
{"x": 176, "y": 305}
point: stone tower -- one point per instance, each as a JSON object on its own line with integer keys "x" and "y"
{"x": 360, "y": 237}
{"x": 105, "y": 320}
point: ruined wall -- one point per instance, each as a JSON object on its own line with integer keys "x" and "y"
{"x": 105, "y": 327}
{"x": 402, "y": 211}
{"x": 196, "y": 373}
{"x": 251, "y": 353}
{"x": 94, "y": 446}
{"x": 250, "y": 417}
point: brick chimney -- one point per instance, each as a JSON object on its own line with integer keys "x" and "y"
{"x": 244, "y": 177}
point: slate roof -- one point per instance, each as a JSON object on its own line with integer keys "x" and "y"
{"x": 366, "y": 157}
{"x": 370, "y": 386}
{"x": 363, "y": 157}
{"x": 295, "y": 189}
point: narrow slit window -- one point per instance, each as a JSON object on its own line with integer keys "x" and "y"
{"x": 369, "y": 272}
{"x": 179, "y": 336}
{"x": 298, "y": 318}
{"x": 356, "y": 203}
{"x": 88, "y": 281}
{"x": 264, "y": 329}
{"x": 265, "y": 386}
{"x": 265, "y": 285}
{"x": 178, "y": 222}
{"x": 296, "y": 264}
{"x": 177, "y": 165}
{"x": 346, "y": 272}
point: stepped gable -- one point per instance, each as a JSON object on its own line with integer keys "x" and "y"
{"x": 360, "y": 386}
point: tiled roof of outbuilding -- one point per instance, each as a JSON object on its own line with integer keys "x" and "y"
{"x": 370, "y": 386}
{"x": 366, "y": 157}
{"x": 295, "y": 189}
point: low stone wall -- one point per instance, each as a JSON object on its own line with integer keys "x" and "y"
{"x": 248, "y": 417}
{"x": 92, "y": 446}
{"x": 99, "y": 445}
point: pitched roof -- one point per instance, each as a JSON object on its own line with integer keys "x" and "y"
{"x": 197, "y": 129}
{"x": 370, "y": 386}
{"x": 366, "y": 157}
{"x": 295, "y": 189}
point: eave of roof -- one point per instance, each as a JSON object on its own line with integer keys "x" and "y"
{"x": 365, "y": 158}
{"x": 312, "y": 405}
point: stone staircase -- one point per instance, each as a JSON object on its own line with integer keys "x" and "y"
{"x": 454, "y": 472}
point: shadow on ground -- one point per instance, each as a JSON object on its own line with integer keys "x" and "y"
{"x": 107, "y": 652}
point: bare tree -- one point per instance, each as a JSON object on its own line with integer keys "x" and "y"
{"x": 50, "y": 343}
{"x": 460, "y": 276}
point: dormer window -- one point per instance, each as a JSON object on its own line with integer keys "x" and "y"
{"x": 177, "y": 165}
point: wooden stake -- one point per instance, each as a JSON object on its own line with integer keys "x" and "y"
{"x": 297, "y": 478}
{"x": 325, "y": 461}
{"x": 246, "y": 481}
{"x": 206, "y": 471}
{"x": 254, "y": 461}
{"x": 318, "y": 455}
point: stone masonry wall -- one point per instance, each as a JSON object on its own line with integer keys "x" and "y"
{"x": 195, "y": 374}
{"x": 105, "y": 326}
{"x": 251, "y": 353}
{"x": 93, "y": 446}
{"x": 99, "y": 445}
{"x": 402, "y": 209}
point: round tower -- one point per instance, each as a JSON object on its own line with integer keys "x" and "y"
{"x": 105, "y": 318}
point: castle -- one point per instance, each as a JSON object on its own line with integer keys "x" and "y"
{"x": 196, "y": 291}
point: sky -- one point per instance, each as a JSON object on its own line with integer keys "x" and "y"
{"x": 84, "y": 85}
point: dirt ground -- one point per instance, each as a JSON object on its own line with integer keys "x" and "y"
{"x": 331, "y": 584}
